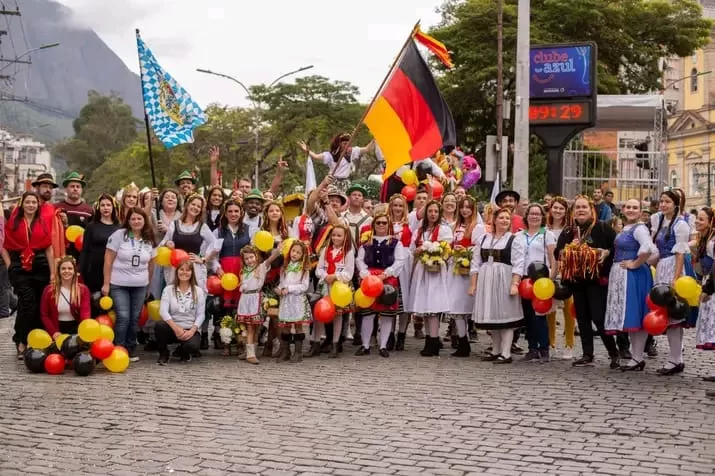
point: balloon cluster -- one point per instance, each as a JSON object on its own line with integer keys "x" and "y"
{"x": 75, "y": 234}
{"x": 670, "y": 302}
{"x": 93, "y": 341}
{"x": 471, "y": 172}
{"x": 542, "y": 290}
{"x": 340, "y": 295}
{"x": 420, "y": 174}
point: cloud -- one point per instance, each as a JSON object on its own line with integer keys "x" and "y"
{"x": 108, "y": 17}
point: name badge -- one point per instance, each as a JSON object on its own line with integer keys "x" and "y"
{"x": 135, "y": 261}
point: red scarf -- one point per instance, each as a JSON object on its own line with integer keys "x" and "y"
{"x": 38, "y": 237}
{"x": 332, "y": 261}
{"x": 433, "y": 236}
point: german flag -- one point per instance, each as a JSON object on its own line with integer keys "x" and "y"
{"x": 435, "y": 46}
{"x": 409, "y": 118}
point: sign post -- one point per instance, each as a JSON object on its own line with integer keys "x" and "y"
{"x": 562, "y": 92}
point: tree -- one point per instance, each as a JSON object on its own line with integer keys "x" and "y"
{"x": 632, "y": 37}
{"x": 105, "y": 125}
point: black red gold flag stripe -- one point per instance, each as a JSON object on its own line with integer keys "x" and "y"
{"x": 410, "y": 119}
{"x": 435, "y": 46}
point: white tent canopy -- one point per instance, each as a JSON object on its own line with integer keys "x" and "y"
{"x": 628, "y": 112}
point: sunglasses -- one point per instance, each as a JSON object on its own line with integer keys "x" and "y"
{"x": 380, "y": 222}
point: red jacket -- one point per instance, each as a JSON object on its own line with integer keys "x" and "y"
{"x": 48, "y": 308}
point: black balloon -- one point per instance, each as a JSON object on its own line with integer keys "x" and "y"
{"x": 537, "y": 270}
{"x": 562, "y": 292}
{"x": 422, "y": 169}
{"x": 35, "y": 360}
{"x": 662, "y": 295}
{"x": 214, "y": 304}
{"x": 388, "y": 296}
{"x": 313, "y": 298}
{"x": 678, "y": 309}
{"x": 71, "y": 347}
{"x": 83, "y": 364}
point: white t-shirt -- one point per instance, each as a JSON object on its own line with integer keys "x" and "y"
{"x": 131, "y": 265}
{"x": 253, "y": 224}
{"x": 345, "y": 167}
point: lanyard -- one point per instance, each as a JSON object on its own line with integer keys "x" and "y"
{"x": 530, "y": 241}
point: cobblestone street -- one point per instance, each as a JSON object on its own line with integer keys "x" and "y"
{"x": 356, "y": 416}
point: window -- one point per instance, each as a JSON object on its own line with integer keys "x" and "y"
{"x": 694, "y": 80}
{"x": 625, "y": 143}
{"x": 693, "y": 180}
{"x": 674, "y": 179}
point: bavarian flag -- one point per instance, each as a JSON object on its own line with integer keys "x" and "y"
{"x": 409, "y": 118}
{"x": 172, "y": 113}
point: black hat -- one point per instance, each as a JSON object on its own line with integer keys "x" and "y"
{"x": 507, "y": 193}
{"x": 45, "y": 177}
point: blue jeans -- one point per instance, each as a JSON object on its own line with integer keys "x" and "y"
{"x": 128, "y": 303}
{"x": 537, "y": 328}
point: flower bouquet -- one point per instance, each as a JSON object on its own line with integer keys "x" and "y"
{"x": 229, "y": 330}
{"x": 270, "y": 305}
{"x": 462, "y": 261}
{"x": 434, "y": 254}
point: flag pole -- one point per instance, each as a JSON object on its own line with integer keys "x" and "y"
{"x": 377, "y": 94}
{"x": 146, "y": 124}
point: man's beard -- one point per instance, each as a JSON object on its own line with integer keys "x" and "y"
{"x": 47, "y": 196}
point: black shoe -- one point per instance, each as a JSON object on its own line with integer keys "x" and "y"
{"x": 531, "y": 356}
{"x": 615, "y": 362}
{"x": 454, "y": 342}
{"x": 710, "y": 393}
{"x": 186, "y": 358}
{"x": 652, "y": 350}
{"x": 218, "y": 345}
{"x": 390, "y": 342}
{"x": 163, "y": 359}
{"x": 709, "y": 378}
{"x": 150, "y": 346}
{"x": 400, "y": 343}
{"x": 463, "y": 349}
{"x": 502, "y": 360}
{"x": 340, "y": 346}
{"x": 324, "y": 347}
{"x": 625, "y": 354}
{"x": 637, "y": 366}
{"x": 204, "y": 341}
{"x": 142, "y": 337}
{"x": 333, "y": 354}
{"x": 671, "y": 371}
{"x": 362, "y": 351}
{"x": 384, "y": 353}
{"x": 489, "y": 357}
{"x": 431, "y": 347}
{"x": 515, "y": 349}
{"x": 585, "y": 361}
{"x": 357, "y": 340}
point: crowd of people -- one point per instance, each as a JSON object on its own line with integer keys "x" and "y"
{"x": 433, "y": 244}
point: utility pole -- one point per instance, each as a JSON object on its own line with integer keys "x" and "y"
{"x": 521, "y": 117}
{"x": 500, "y": 84}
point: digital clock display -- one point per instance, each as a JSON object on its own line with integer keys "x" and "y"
{"x": 560, "y": 113}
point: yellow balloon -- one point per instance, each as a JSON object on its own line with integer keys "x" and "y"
{"x": 117, "y": 362}
{"x": 694, "y": 302}
{"x": 106, "y": 332}
{"x": 340, "y": 294}
{"x": 112, "y": 315}
{"x": 106, "y": 303}
{"x": 88, "y": 330}
{"x": 229, "y": 281}
{"x": 544, "y": 288}
{"x": 409, "y": 177}
{"x": 73, "y": 232}
{"x": 163, "y": 256}
{"x": 363, "y": 301}
{"x": 263, "y": 240}
{"x": 286, "y": 247}
{"x": 39, "y": 339}
{"x": 153, "y": 308}
{"x": 686, "y": 287}
{"x": 60, "y": 339}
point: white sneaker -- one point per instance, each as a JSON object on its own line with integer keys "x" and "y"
{"x": 567, "y": 353}
{"x": 134, "y": 358}
{"x": 350, "y": 335}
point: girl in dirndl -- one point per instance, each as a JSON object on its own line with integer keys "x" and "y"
{"x": 336, "y": 263}
{"x": 294, "y": 310}
{"x": 253, "y": 273}
{"x": 705, "y": 329}
{"x": 461, "y": 304}
{"x": 381, "y": 255}
{"x": 427, "y": 284}
{"x": 671, "y": 237}
{"x": 398, "y": 212}
{"x": 629, "y": 283}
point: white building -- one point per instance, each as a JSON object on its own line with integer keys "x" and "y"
{"x": 23, "y": 159}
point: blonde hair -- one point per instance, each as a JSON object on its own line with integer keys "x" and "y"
{"x": 74, "y": 285}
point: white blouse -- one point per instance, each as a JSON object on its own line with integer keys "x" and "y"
{"x": 518, "y": 251}
{"x": 394, "y": 270}
{"x": 537, "y": 247}
{"x": 344, "y": 270}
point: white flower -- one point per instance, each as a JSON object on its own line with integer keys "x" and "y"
{"x": 226, "y": 335}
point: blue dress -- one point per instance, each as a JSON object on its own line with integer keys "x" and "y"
{"x": 628, "y": 288}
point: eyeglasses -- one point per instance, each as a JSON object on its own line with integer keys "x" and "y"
{"x": 380, "y": 222}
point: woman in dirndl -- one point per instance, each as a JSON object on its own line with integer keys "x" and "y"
{"x": 461, "y": 304}
{"x": 398, "y": 212}
{"x": 381, "y": 255}
{"x": 496, "y": 270}
{"x": 629, "y": 283}
{"x": 429, "y": 274}
{"x": 705, "y": 251}
{"x": 671, "y": 237}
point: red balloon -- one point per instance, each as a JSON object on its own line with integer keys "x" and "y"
{"x": 437, "y": 189}
{"x": 106, "y": 320}
{"x": 177, "y": 256}
{"x": 101, "y": 348}
{"x": 143, "y": 316}
{"x": 324, "y": 310}
{"x": 526, "y": 289}
{"x": 55, "y": 364}
{"x": 542, "y": 306}
{"x": 651, "y": 305}
{"x": 372, "y": 286}
{"x": 213, "y": 285}
{"x": 655, "y": 322}
{"x": 79, "y": 242}
{"x": 410, "y": 192}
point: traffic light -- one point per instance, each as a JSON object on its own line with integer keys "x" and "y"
{"x": 642, "y": 159}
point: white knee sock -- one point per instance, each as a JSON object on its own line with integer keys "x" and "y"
{"x": 337, "y": 328}
{"x": 507, "y": 336}
{"x": 318, "y": 329}
{"x": 496, "y": 342}
{"x": 461, "y": 325}
{"x": 403, "y": 322}
{"x": 675, "y": 344}
{"x": 385, "y": 330}
{"x": 638, "y": 344}
{"x": 366, "y": 329}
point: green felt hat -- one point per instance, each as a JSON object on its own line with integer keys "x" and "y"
{"x": 356, "y": 187}
{"x": 74, "y": 177}
{"x": 185, "y": 175}
{"x": 254, "y": 194}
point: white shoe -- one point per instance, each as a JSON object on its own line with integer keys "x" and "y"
{"x": 349, "y": 336}
{"x": 567, "y": 353}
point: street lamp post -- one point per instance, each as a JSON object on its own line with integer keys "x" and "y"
{"x": 18, "y": 59}
{"x": 256, "y": 106}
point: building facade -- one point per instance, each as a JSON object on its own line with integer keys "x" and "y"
{"x": 23, "y": 159}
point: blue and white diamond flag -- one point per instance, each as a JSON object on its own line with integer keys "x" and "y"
{"x": 172, "y": 113}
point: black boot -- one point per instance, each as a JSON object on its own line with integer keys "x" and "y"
{"x": 339, "y": 345}
{"x": 333, "y": 351}
{"x": 218, "y": 345}
{"x": 400, "y": 344}
{"x": 454, "y": 341}
{"x": 204, "y": 341}
{"x": 431, "y": 347}
{"x": 463, "y": 349}
{"x": 324, "y": 348}
{"x": 314, "y": 350}
{"x": 298, "y": 354}
{"x": 391, "y": 342}
{"x": 285, "y": 349}
{"x": 426, "y": 350}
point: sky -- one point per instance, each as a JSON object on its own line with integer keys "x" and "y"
{"x": 257, "y": 41}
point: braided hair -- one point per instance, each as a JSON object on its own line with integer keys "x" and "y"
{"x": 675, "y": 198}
